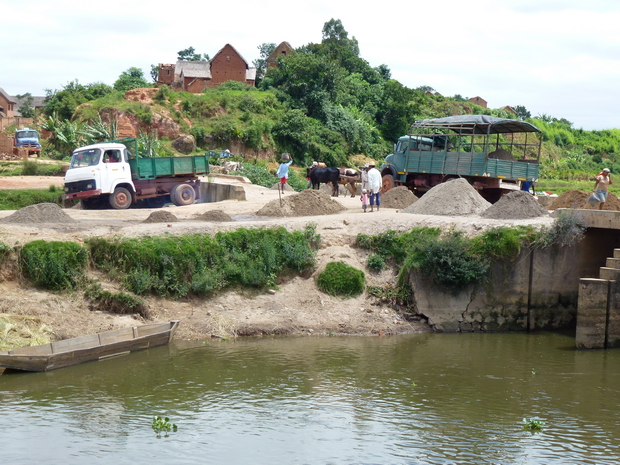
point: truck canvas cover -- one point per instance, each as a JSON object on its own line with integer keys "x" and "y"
{"x": 477, "y": 124}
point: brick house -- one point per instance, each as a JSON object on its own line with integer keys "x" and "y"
{"x": 196, "y": 76}
{"x": 7, "y": 105}
{"x": 479, "y": 101}
{"x": 281, "y": 50}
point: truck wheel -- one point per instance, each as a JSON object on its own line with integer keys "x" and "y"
{"x": 183, "y": 194}
{"x": 120, "y": 199}
{"x": 387, "y": 183}
{"x": 156, "y": 202}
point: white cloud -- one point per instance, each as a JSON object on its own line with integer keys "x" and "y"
{"x": 554, "y": 57}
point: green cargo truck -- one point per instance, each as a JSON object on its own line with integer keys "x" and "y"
{"x": 109, "y": 173}
{"x": 494, "y": 154}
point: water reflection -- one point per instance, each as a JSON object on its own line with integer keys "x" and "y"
{"x": 424, "y": 398}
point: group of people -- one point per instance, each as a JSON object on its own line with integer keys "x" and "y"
{"x": 371, "y": 187}
{"x": 370, "y": 177}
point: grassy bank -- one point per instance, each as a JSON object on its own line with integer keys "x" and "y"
{"x": 14, "y": 199}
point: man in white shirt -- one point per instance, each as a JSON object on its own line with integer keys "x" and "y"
{"x": 374, "y": 181}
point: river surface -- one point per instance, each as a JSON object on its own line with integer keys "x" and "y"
{"x": 410, "y": 399}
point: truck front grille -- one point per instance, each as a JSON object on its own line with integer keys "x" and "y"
{"x": 80, "y": 186}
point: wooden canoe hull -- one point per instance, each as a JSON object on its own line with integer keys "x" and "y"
{"x": 98, "y": 346}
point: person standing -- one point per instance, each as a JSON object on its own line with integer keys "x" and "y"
{"x": 374, "y": 180}
{"x": 282, "y": 172}
{"x": 364, "y": 177}
{"x": 364, "y": 199}
{"x": 601, "y": 187}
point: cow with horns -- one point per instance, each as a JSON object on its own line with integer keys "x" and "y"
{"x": 318, "y": 175}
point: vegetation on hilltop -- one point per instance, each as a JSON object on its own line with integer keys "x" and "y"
{"x": 323, "y": 102}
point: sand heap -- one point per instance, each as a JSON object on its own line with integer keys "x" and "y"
{"x": 39, "y": 213}
{"x": 452, "y": 198}
{"x": 579, "y": 199}
{"x": 398, "y": 197}
{"x": 214, "y": 215}
{"x": 161, "y": 216}
{"x": 306, "y": 203}
{"x": 514, "y": 206}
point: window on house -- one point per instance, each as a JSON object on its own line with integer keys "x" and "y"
{"x": 228, "y": 57}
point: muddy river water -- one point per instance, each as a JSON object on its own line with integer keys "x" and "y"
{"x": 410, "y": 399}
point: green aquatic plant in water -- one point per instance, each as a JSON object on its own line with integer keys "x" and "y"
{"x": 533, "y": 425}
{"x": 163, "y": 425}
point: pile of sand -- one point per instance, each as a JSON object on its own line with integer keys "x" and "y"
{"x": 39, "y": 213}
{"x": 514, "y": 206}
{"x": 579, "y": 199}
{"x": 398, "y": 197}
{"x": 306, "y": 203}
{"x": 287, "y": 187}
{"x": 161, "y": 216}
{"x": 452, "y": 198}
{"x": 214, "y": 215}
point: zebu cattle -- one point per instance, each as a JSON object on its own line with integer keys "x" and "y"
{"x": 349, "y": 177}
{"x": 318, "y": 176}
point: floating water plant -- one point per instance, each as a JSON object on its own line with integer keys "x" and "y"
{"x": 163, "y": 424}
{"x": 533, "y": 425}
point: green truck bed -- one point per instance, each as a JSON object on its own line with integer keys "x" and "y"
{"x": 157, "y": 167}
{"x": 469, "y": 164}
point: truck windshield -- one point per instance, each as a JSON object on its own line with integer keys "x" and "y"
{"x": 86, "y": 158}
{"x": 27, "y": 135}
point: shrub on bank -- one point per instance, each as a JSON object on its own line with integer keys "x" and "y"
{"x": 200, "y": 264}
{"x": 340, "y": 279}
{"x": 115, "y": 302}
{"x": 53, "y": 265}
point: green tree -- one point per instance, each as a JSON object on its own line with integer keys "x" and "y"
{"x": 398, "y": 110}
{"x": 264, "y": 50}
{"x": 522, "y": 112}
{"x": 189, "y": 54}
{"x": 27, "y": 107}
{"x": 62, "y": 103}
{"x": 133, "y": 78}
{"x": 335, "y": 33}
{"x": 154, "y": 73}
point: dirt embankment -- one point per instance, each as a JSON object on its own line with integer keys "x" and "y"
{"x": 295, "y": 306}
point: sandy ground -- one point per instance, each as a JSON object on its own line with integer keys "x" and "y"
{"x": 295, "y": 307}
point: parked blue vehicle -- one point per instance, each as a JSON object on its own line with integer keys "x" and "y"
{"x": 28, "y": 138}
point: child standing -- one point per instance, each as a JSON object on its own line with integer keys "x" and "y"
{"x": 364, "y": 199}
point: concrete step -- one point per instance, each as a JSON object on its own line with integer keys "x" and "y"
{"x": 616, "y": 253}
{"x": 611, "y": 274}
{"x": 612, "y": 263}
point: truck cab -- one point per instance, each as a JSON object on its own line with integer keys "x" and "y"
{"x": 28, "y": 138}
{"x": 100, "y": 169}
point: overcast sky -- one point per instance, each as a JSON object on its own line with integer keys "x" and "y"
{"x": 559, "y": 58}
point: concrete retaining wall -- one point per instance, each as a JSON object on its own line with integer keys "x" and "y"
{"x": 538, "y": 290}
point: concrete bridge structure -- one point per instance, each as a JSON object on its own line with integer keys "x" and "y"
{"x": 598, "y": 305}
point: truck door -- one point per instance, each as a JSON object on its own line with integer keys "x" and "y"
{"x": 115, "y": 169}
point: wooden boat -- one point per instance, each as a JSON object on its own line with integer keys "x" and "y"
{"x": 98, "y": 346}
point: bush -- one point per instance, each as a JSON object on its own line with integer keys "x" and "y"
{"x": 53, "y": 265}
{"x": 449, "y": 262}
{"x": 340, "y": 279}
{"x": 376, "y": 262}
{"x": 201, "y": 264}
{"x": 30, "y": 168}
{"x": 118, "y": 302}
{"x": 566, "y": 230}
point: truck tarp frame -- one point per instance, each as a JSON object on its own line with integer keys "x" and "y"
{"x": 476, "y": 124}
